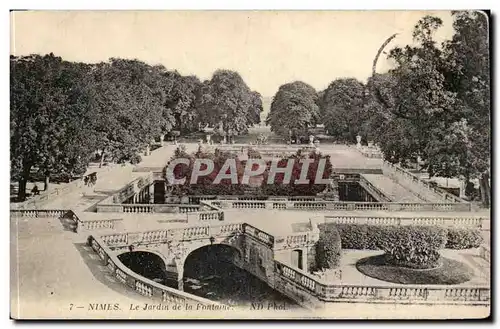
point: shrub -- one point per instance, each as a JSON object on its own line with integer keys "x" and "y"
{"x": 353, "y": 236}
{"x": 253, "y": 154}
{"x": 135, "y": 159}
{"x": 414, "y": 246}
{"x": 328, "y": 249}
{"x": 410, "y": 246}
{"x": 461, "y": 238}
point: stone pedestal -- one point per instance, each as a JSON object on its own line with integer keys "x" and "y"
{"x": 358, "y": 141}
{"x": 463, "y": 186}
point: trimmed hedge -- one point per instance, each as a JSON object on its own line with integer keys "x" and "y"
{"x": 328, "y": 249}
{"x": 408, "y": 246}
{"x": 370, "y": 237}
{"x": 462, "y": 238}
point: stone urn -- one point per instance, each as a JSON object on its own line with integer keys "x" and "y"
{"x": 358, "y": 140}
{"x": 208, "y": 139}
{"x": 311, "y": 140}
{"x": 370, "y": 144}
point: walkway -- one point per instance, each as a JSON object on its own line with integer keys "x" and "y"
{"x": 107, "y": 183}
{"x": 393, "y": 190}
{"x": 51, "y": 270}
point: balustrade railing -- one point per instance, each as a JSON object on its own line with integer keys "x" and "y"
{"x": 38, "y": 213}
{"x": 402, "y": 175}
{"x": 481, "y": 223}
{"x": 373, "y": 190}
{"x": 340, "y": 205}
{"x": 45, "y": 196}
{"x": 77, "y": 223}
{"x": 331, "y": 292}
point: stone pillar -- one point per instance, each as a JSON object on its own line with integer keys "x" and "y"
{"x": 180, "y": 276}
{"x": 463, "y": 186}
{"x": 147, "y": 151}
{"x": 162, "y": 137}
{"x": 151, "y": 192}
{"x": 180, "y": 284}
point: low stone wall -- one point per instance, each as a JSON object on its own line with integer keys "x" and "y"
{"x": 481, "y": 223}
{"x": 45, "y": 197}
{"x": 417, "y": 185}
{"x": 340, "y": 205}
{"x": 312, "y": 293}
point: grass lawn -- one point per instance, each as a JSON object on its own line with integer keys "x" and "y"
{"x": 450, "y": 272}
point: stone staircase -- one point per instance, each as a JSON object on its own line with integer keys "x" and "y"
{"x": 393, "y": 190}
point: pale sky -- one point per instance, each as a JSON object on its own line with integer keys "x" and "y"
{"x": 268, "y": 48}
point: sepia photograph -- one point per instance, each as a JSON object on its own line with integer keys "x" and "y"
{"x": 258, "y": 164}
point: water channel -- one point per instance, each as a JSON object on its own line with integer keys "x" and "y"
{"x": 210, "y": 273}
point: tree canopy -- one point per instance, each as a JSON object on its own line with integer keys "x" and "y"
{"x": 293, "y": 109}
{"x": 62, "y": 113}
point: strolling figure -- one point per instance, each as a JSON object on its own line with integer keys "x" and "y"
{"x": 35, "y": 190}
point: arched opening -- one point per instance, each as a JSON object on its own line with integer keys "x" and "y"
{"x": 149, "y": 265}
{"x": 210, "y": 272}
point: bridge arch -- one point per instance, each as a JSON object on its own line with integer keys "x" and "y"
{"x": 147, "y": 263}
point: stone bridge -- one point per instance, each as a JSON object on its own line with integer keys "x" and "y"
{"x": 255, "y": 250}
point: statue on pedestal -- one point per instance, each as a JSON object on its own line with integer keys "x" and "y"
{"x": 358, "y": 140}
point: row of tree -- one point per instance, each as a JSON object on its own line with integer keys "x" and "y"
{"x": 63, "y": 112}
{"x": 433, "y": 105}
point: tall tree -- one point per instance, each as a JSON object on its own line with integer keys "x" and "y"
{"x": 467, "y": 72}
{"x": 293, "y": 109}
{"x": 227, "y": 101}
{"x": 129, "y": 107}
{"x": 342, "y": 108}
{"x": 48, "y": 115}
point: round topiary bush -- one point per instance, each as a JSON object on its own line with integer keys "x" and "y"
{"x": 328, "y": 248}
{"x": 463, "y": 238}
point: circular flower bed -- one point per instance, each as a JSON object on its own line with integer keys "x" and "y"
{"x": 448, "y": 271}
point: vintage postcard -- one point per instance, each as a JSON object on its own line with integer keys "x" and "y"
{"x": 250, "y": 165}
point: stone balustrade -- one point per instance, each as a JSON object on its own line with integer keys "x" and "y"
{"x": 432, "y": 294}
{"x": 260, "y": 235}
{"x": 38, "y": 213}
{"x": 373, "y": 190}
{"x": 481, "y": 223}
{"x": 98, "y": 224}
{"x": 139, "y": 283}
{"x": 147, "y": 208}
{"x": 401, "y": 175}
{"x": 45, "y": 196}
{"x": 340, "y": 205}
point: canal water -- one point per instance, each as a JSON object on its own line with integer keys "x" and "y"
{"x": 210, "y": 273}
